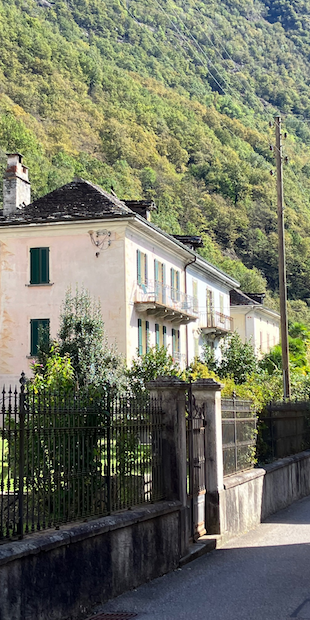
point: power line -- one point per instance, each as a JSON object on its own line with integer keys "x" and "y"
{"x": 216, "y": 49}
{"x": 184, "y": 39}
{"x": 223, "y": 126}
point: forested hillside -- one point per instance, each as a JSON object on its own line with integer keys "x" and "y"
{"x": 170, "y": 100}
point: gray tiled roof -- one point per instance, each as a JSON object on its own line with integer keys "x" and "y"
{"x": 77, "y": 200}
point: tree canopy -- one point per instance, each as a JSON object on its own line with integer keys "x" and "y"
{"x": 170, "y": 100}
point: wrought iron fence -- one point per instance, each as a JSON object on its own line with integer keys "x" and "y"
{"x": 284, "y": 429}
{"x": 239, "y": 435}
{"x": 75, "y": 455}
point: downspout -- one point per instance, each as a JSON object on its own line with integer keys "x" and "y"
{"x": 187, "y": 265}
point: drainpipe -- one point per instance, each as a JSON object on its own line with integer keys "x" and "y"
{"x": 191, "y": 262}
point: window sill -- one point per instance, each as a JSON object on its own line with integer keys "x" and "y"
{"x": 43, "y": 284}
{"x": 31, "y": 357}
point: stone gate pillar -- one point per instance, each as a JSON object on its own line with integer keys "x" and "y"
{"x": 207, "y": 394}
{"x": 172, "y": 393}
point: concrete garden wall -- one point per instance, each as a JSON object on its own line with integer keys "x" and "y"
{"x": 251, "y": 497}
{"x": 62, "y": 574}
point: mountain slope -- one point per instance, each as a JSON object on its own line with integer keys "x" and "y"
{"x": 170, "y": 100}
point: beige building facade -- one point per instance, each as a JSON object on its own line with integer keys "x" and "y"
{"x": 152, "y": 287}
{"x": 254, "y": 322}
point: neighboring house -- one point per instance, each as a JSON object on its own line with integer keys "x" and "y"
{"x": 153, "y": 288}
{"x": 254, "y": 322}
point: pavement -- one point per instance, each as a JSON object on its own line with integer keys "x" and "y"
{"x": 261, "y": 575}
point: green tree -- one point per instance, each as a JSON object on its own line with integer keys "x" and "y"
{"x": 156, "y": 362}
{"x": 82, "y": 337}
{"x": 238, "y": 359}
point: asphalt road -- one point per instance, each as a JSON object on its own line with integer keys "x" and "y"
{"x": 262, "y": 575}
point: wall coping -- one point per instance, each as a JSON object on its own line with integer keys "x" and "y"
{"x": 75, "y": 532}
{"x": 243, "y": 477}
{"x": 288, "y": 460}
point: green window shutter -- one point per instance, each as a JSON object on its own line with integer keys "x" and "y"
{"x": 164, "y": 336}
{"x": 39, "y": 331}
{"x": 39, "y": 265}
{"x": 34, "y": 265}
{"x": 156, "y": 270}
{"x": 147, "y": 336}
{"x": 178, "y": 341}
{"x": 139, "y": 276}
{"x": 173, "y": 342}
{"x": 177, "y": 280}
{"x": 140, "y": 337}
{"x": 44, "y": 260}
{"x": 145, "y": 269}
{"x": 164, "y": 282}
{"x": 157, "y": 335}
{"x": 34, "y": 336}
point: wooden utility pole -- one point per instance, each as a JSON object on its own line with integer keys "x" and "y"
{"x": 282, "y": 267}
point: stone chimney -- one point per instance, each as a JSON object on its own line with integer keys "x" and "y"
{"x": 16, "y": 186}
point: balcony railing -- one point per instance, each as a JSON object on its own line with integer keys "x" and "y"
{"x": 215, "y": 322}
{"x": 166, "y": 296}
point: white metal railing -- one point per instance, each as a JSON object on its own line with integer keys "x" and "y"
{"x": 167, "y": 296}
{"x": 217, "y": 320}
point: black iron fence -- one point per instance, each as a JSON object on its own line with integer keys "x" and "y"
{"x": 284, "y": 429}
{"x": 75, "y": 455}
{"x": 239, "y": 435}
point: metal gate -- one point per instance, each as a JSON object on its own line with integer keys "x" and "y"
{"x": 196, "y": 467}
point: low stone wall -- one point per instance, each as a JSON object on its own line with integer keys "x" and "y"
{"x": 61, "y": 574}
{"x": 251, "y": 497}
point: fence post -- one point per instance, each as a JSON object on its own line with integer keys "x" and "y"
{"x": 171, "y": 392}
{"x": 20, "y": 527}
{"x": 208, "y": 392}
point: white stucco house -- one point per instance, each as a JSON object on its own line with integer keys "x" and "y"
{"x": 154, "y": 288}
{"x": 254, "y": 322}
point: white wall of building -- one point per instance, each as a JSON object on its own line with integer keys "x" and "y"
{"x": 172, "y": 257}
{"x": 220, "y": 291}
{"x": 257, "y": 325}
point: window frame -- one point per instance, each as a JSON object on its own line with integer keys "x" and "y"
{"x": 142, "y": 268}
{"x": 35, "y": 325}
{"x": 40, "y": 263}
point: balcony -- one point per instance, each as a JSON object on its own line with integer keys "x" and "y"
{"x": 215, "y": 324}
{"x": 165, "y": 303}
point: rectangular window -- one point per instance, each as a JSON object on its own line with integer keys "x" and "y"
{"x": 261, "y": 341}
{"x": 175, "y": 284}
{"x": 39, "y": 266}
{"x": 142, "y": 268}
{"x": 39, "y": 332}
{"x": 160, "y": 281}
{"x": 268, "y": 343}
{"x": 164, "y": 336}
{"x": 195, "y": 295}
{"x": 175, "y": 343}
{"x": 157, "y": 335}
